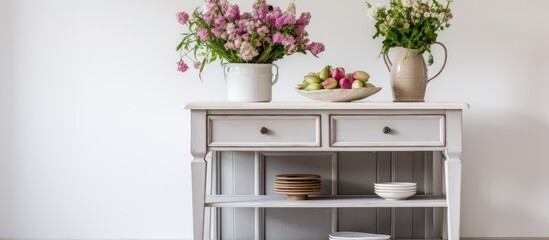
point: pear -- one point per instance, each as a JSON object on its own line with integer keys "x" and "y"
{"x": 346, "y": 83}
{"x": 313, "y": 87}
{"x": 350, "y": 75}
{"x": 312, "y": 79}
{"x": 325, "y": 73}
{"x": 361, "y": 75}
{"x": 302, "y": 85}
{"x": 338, "y": 73}
{"x": 330, "y": 83}
{"x": 357, "y": 84}
{"x": 369, "y": 85}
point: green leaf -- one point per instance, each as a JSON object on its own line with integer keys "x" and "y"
{"x": 203, "y": 63}
{"x": 213, "y": 58}
{"x": 179, "y": 45}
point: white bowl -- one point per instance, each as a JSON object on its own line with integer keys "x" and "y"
{"x": 395, "y": 190}
{"x": 339, "y": 95}
{"x": 396, "y": 184}
{"x": 357, "y": 236}
{"x": 395, "y": 195}
{"x": 352, "y": 238}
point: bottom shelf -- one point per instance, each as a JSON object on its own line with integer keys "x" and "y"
{"x": 279, "y": 201}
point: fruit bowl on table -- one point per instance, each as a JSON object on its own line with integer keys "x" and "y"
{"x": 339, "y": 95}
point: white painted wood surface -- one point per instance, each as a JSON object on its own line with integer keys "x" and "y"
{"x": 198, "y": 168}
{"x": 451, "y": 148}
{"x": 275, "y": 201}
{"x": 245, "y": 131}
{"x": 403, "y": 130}
{"x": 324, "y": 106}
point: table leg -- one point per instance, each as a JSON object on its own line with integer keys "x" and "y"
{"x": 453, "y": 193}
{"x": 207, "y": 223}
{"x": 198, "y": 168}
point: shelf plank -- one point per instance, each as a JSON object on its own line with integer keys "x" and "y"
{"x": 324, "y": 105}
{"x": 277, "y": 201}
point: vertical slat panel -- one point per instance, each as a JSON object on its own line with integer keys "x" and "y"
{"x": 227, "y": 182}
{"x": 418, "y": 223}
{"x": 298, "y": 223}
{"x": 438, "y": 221}
{"x": 383, "y": 175}
{"x": 215, "y": 190}
{"x": 259, "y": 189}
{"x": 404, "y": 166}
{"x": 357, "y": 173}
{"x": 244, "y": 220}
{"x": 357, "y": 177}
{"x": 418, "y": 171}
{"x": 428, "y": 180}
{"x": 403, "y": 172}
{"x": 428, "y": 176}
{"x": 357, "y": 220}
{"x": 303, "y": 224}
{"x": 209, "y": 190}
{"x": 244, "y": 173}
{"x": 335, "y": 180}
{"x": 237, "y": 178}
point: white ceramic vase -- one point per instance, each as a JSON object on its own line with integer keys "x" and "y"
{"x": 250, "y": 82}
{"x": 409, "y": 75}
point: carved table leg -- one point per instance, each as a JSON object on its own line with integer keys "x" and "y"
{"x": 452, "y": 165}
{"x": 453, "y": 193}
{"x": 198, "y": 169}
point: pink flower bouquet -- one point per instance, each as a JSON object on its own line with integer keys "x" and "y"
{"x": 218, "y": 30}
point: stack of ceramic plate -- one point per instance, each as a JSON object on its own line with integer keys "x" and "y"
{"x": 297, "y": 186}
{"x": 395, "y": 190}
{"x": 357, "y": 236}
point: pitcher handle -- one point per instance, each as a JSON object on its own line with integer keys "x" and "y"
{"x": 225, "y": 71}
{"x": 387, "y": 61}
{"x": 444, "y": 64}
{"x": 276, "y": 75}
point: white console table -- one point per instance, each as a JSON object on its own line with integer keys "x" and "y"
{"x": 325, "y": 127}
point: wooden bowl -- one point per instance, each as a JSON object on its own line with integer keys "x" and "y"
{"x": 297, "y": 186}
{"x": 339, "y": 95}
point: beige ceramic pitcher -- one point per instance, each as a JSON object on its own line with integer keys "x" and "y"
{"x": 409, "y": 74}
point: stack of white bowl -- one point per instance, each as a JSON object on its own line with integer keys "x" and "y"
{"x": 357, "y": 236}
{"x": 395, "y": 190}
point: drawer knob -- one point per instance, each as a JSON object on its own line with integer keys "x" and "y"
{"x": 264, "y": 130}
{"x": 386, "y": 130}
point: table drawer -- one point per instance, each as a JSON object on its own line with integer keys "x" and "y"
{"x": 263, "y": 130}
{"x": 387, "y": 130}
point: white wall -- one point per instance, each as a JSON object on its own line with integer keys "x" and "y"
{"x": 94, "y": 144}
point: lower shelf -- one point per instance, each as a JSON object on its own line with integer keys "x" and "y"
{"x": 278, "y": 201}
